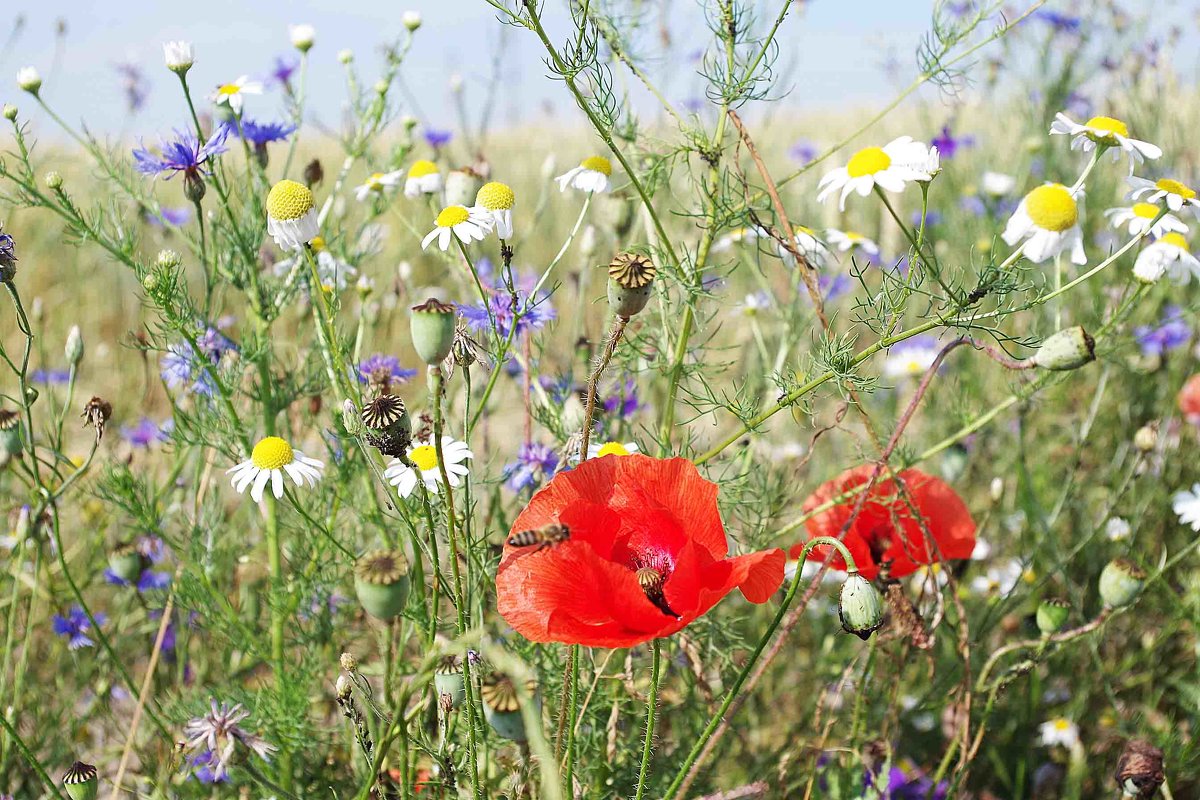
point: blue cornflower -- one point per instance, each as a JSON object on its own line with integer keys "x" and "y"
{"x": 535, "y": 462}
{"x": 184, "y": 153}
{"x": 133, "y": 82}
{"x": 834, "y": 286}
{"x": 386, "y": 366}
{"x": 181, "y": 365}
{"x": 948, "y": 144}
{"x": 694, "y": 105}
{"x": 203, "y": 764}
{"x": 50, "y": 376}
{"x": 145, "y": 433}
{"x": 323, "y": 602}
{"x": 281, "y": 73}
{"x": 803, "y": 151}
{"x": 1171, "y": 333}
{"x": 260, "y": 134}
{"x": 623, "y": 400}
{"x": 973, "y": 204}
{"x": 74, "y": 626}
{"x": 534, "y": 316}
{"x": 1062, "y": 23}
{"x": 148, "y": 581}
{"x": 169, "y": 216}
{"x": 899, "y": 784}
{"x": 435, "y": 138}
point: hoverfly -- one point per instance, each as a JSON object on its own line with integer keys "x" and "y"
{"x": 545, "y": 536}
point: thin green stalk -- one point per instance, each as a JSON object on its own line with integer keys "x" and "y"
{"x": 651, "y": 709}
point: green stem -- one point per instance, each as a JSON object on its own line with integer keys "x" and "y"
{"x": 651, "y": 710}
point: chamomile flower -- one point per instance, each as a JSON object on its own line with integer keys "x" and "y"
{"x": 423, "y": 178}
{"x": 1106, "y": 131}
{"x": 465, "y": 223}
{"x": 291, "y": 215}
{"x": 334, "y": 273}
{"x": 1177, "y": 195}
{"x": 735, "y": 236}
{"x": 890, "y": 167}
{"x": 591, "y": 175}
{"x": 1186, "y": 505}
{"x": 179, "y": 56}
{"x": 1118, "y": 529}
{"x": 812, "y": 248}
{"x": 845, "y": 241}
{"x": 495, "y": 200}
{"x": 1048, "y": 218}
{"x": 599, "y": 450}
{"x": 997, "y": 184}
{"x": 1059, "y": 731}
{"x": 270, "y": 459}
{"x": 423, "y": 455}
{"x": 999, "y": 579}
{"x": 911, "y": 357}
{"x": 234, "y": 94}
{"x": 1168, "y": 255}
{"x": 1140, "y": 219}
{"x": 378, "y": 183}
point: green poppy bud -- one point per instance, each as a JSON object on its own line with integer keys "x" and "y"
{"x": 10, "y": 432}
{"x": 1052, "y": 614}
{"x": 433, "y": 331}
{"x": 502, "y": 706}
{"x": 381, "y": 583}
{"x": 630, "y": 283}
{"x": 1120, "y": 583}
{"x": 127, "y": 562}
{"x": 462, "y": 185}
{"x": 860, "y": 606}
{"x": 80, "y": 782}
{"x": 1070, "y": 348}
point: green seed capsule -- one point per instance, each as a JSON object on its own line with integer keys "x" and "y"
{"x": 502, "y": 706}
{"x": 630, "y": 283}
{"x": 381, "y": 583}
{"x": 1120, "y": 583}
{"x": 860, "y": 606}
{"x": 1070, "y": 348}
{"x": 448, "y": 680}
{"x": 1052, "y": 614}
{"x": 80, "y": 782}
{"x": 127, "y": 563}
{"x": 433, "y": 331}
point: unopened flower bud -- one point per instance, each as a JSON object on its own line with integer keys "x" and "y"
{"x": 860, "y": 606}
{"x": 1120, "y": 583}
{"x": 345, "y": 56}
{"x": 10, "y": 433}
{"x": 313, "y": 173}
{"x": 1140, "y": 770}
{"x": 1052, "y": 614}
{"x": 303, "y": 37}
{"x": 80, "y": 782}
{"x": 996, "y": 490}
{"x": 1070, "y": 348}
{"x": 54, "y": 180}
{"x": 168, "y": 259}
{"x": 381, "y": 86}
{"x": 348, "y": 662}
{"x": 193, "y": 187}
{"x": 127, "y": 562}
{"x": 343, "y": 687}
{"x": 630, "y": 283}
{"x": 24, "y": 524}
{"x": 10, "y": 112}
{"x": 350, "y": 419}
{"x": 411, "y": 20}
{"x": 1146, "y": 438}
{"x": 74, "y": 347}
{"x": 29, "y": 80}
{"x": 179, "y": 56}
{"x": 432, "y": 327}
{"x": 408, "y": 122}
{"x": 150, "y": 283}
{"x": 588, "y": 242}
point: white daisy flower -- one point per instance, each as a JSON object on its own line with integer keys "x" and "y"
{"x": 423, "y": 178}
{"x": 1186, "y": 505}
{"x": 29, "y": 79}
{"x": 496, "y": 200}
{"x": 377, "y": 183}
{"x": 809, "y": 245}
{"x": 1059, "y": 731}
{"x": 465, "y": 223}
{"x": 271, "y": 458}
{"x": 1117, "y": 529}
{"x": 596, "y": 450}
{"x": 754, "y": 303}
{"x": 999, "y": 579}
{"x": 334, "y": 273}
{"x": 302, "y": 36}
{"x": 291, "y": 215}
{"x": 424, "y": 456}
{"x": 981, "y": 551}
{"x": 930, "y": 163}
{"x": 997, "y": 184}
{"x": 591, "y": 175}
{"x": 735, "y": 236}
{"x": 1139, "y": 217}
{"x": 1048, "y": 217}
{"x": 845, "y": 241}
{"x": 1168, "y": 255}
{"x": 179, "y": 56}
{"x": 234, "y": 94}
{"x": 889, "y": 167}
{"x": 1177, "y": 195}
{"x": 1106, "y": 131}
{"x": 911, "y": 357}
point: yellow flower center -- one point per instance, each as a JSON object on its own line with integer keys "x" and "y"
{"x": 1175, "y": 239}
{"x": 375, "y": 181}
{"x": 1175, "y": 187}
{"x": 272, "y": 453}
{"x": 452, "y": 215}
{"x": 597, "y": 164}
{"x": 804, "y": 229}
{"x": 424, "y": 456}
{"x": 868, "y": 161}
{"x": 495, "y": 196}
{"x": 853, "y": 237}
{"x": 1145, "y": 210}
{"x": 1062, "y": 725}
{"x": 421, "y": 168}
{"x": 1052, "y": 208}
{"x": 317, "y": 243}
{"x": 228, "y": 89}
{"x": 914, "y": 367}
{"x": 1106, "y": 128}
{"x": 613, "y": 449}
{"x": 289, "y": 200}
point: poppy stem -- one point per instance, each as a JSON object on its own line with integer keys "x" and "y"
{"x": 610, "y": 347}
{"x": 651, "y": 709}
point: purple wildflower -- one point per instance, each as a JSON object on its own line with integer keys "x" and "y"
{"x": 973, "y": 204}
{"x": 948, "y": 144}
{"x": 437, "y": 138}
{"x": 148, "y": 581}
{"x": 51, "y": 377}
{"x": 1171, "y": 333}
{"x": 202, "y": 765}
{"x": 181, "y": 365}
{"x": 176, "y": 217}
{"x": 281, "y": 73}
{"x": 535, "y": 462}
{"x": 899, "y": 784}
{"x": 260, "y": 134}
{"x": 183, "y": 154}
{"x": 145, "y": 433}
{"x": 74, "y": 626}
{"x": 133, "y": 83}
{"x": 834, "y": 286}
{"x": 1062, "y": 23}
{"x": 931, "y": 218}
{"x": 623, "y": 400}
{"x": 388, "y": 365}
{"x": 693, "y": 105}
{"x": 532, "y": 316}
{"x": 803, "y": 151}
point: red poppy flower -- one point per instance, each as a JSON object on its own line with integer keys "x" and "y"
{"x": 646, "y": 555}
{"x": 1189, "y": 399}
{"x": 887, "y": 532}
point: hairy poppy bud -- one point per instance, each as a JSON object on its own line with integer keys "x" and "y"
{"x": 1140, "y": 770}
{"x": 381, "y": 583}
{"x": 127, "y": 562}
{"x": 80, "y": 782}
{"x": 448, "y": 680}
{"x": 1070, "y": 348}
{"x": 1052, "y": 614}
{"x": 860, "y": 607}
{"x": 1120, "y": 583}
{"x": 433, "y": 330}
{"x": 630, "y": 283}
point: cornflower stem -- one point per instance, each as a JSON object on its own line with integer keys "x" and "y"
{"x": 651, "y": 711}
{"x": 747, "y": 668}
{"x": 209, "y": 279}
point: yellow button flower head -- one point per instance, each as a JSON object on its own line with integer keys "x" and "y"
{"x": 591, "y": 175}
{"x": 1048, "y": 217}
{"x": 468, "y": 224}
{"x": 495, "y": 200}
{"x": 291, "y": 215}
{"x": 423, "y": 178}
{"x": 890, "y": 167}
{"x": 1106, "y": 131}
{"x": 1176, "y": 194}
{"x": 270, "y": 459}
{"x": 1140, "y": 219}
{"x": 1169, "y": 255}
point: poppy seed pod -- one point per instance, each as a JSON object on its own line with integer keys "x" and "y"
{"x": 1120, "y": 583}
{"x": 381, "y": 583}
{"x": 502, "y": 706}
{"x": 860, "y": 607}
{"x": 1070, "y": 348}
{"x": 80, "y": 782}
{"x": 462, "y": 185}
{"x": 386, "y": 425}
{"x": 630, "y": 283}
{"x": 1052, "y": 614}
{"x": 448, "y": 680}
{"x": 1140, "y": 770}
{"x": 433, "y": 330}
{"x": 127, "y": 562}
{"x": 10, "y": 432}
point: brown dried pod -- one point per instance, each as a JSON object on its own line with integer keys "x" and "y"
{"x": 1140, "y": 770}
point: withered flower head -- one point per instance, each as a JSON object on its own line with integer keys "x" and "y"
{"x": 387, "y": 424}
{"x": 632, "y": 270}
{"x": 313, "y": 173}
{"x": 381, "y": 567}
{"x": 1140, "y": 770}
{"x": 96, "y": 413}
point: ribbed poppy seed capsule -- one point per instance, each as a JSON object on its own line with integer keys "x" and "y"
{"x": 387, "y": 425}
{"x": 433, "y": 330}
{"x": 10, "y": 432}
{"x": 448, "y": 680}
{"x": 502, "y": 706}
{"x": 1070, "y": 348}
{"x": 1140, "y": 770}
{"x": 860, "y": 607}
{"x": 1052, "y": 614}
{"x": 1120, "y": 583}
{"x": 381, "y": 583}
{"x": 80, "y": 782}
{"x": 630, "y": 283}
{"x": 127, "y": 562}
{"x": 462, "y": 185}
{"x": 651, "y": 580}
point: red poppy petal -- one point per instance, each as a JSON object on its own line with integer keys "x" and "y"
{"x": 674, "y": 484}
